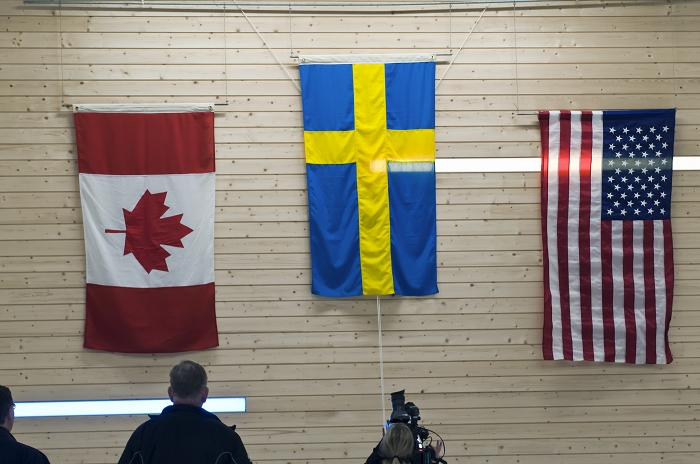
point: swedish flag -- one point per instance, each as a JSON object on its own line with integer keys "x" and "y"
{"x": 369, "y": 137}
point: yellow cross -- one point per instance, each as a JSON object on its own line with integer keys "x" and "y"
{"x": 371, "y": 146}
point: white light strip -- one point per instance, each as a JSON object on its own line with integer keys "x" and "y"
{"x": 116, "y": 407}
{"x": 680, "y": 163}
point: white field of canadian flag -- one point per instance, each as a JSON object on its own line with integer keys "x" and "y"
{"x": 147, "y": 187}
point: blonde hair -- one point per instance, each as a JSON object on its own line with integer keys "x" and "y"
{"x": 397, "y": 445}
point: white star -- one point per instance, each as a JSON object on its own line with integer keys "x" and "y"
{"x": 645, "y": 138}
{"x": 663, "y": 178}
{"x": 650, "y": 194}
{"x": 610, "y": 195}
{"x": 632, "y": 138}
{"x": 624, "y": 163}
{"x": 657, "y": 170}
{"x": 610, "y": 211}
{"x": 629, "y": 203}
{"x": 644, "y": 186}
{"x": 612, "y": 130}
{"x": 645, "y": 154}
{"x": 651, "y": 211}
{"x": 663, "y": 161}
{"x": 651, "y": 179}
{"x": 624, "y": 179}
{"x": 658, "y": 137}
{"x": 663, "y": 211}
{"x": 616, "y": 204}
{"x": 631, "y": 171}
{"x": 663, "y": 194}
{"x": 657, "y": 186}
{"x": 625, "y": 130}
{"x": 639, "y": 146}
{"x": 631, "y": 155}
{"x": 624, "y": 147}
{"x": 630, "y": 187}
{"x": 612, "y": 146}
{"x": 651, "y": 146}
{"x": 623, "y": 212}
{"x": 618, "y": 138}
{"x": 623, "y": 196}
{"x": 637, "y": 179}
{"x": 616, "y": 187}
{"x": 644, "y": 170}
{"x": 651, "y": 162}
{"x": 656, "y": 202}
{"x": 639, "y": 130}
{"x": 658, "y": 154}
{"x": 636, "y": 195}
{"x": 643, "y": 203}
{"x": 617, "y": 171}
{"x": 611, "y": 178}
{"x": 636, "y": 211}
{"x": 664, "y": 145}
{"x": 638, "y": 163}
{"x": 665, "y": 128}
{"x": 618, "y": 154}
{"x": 652, "y": 129}
{"x": 611, "y": 163}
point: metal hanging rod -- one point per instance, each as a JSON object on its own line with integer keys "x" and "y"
{"x": 282, "y": 5}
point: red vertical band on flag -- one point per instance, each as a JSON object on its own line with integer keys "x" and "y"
{"x": 606, "y": 255}
{"x": 649, "y": 293}
{"x": 143, "y": 143}
{"x": 562, "y": 233}
{"x": 150, "y": 320}
{"x": 668, "y": 266}
{"x": 585, "y": 234}
{"x": 544, "y": 174}
{"x": 628, "y": 278}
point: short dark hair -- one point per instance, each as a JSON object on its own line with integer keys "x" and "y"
{"x": 6, "y": 403}
{"x": 187, "y": 378}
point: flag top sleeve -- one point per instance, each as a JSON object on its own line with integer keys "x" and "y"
{"x": 147, "y": 187}
{"x": 369, "y": 138}
{"x": 606, "y": 228}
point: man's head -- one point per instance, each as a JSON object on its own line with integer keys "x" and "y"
{"x": 188, "y": 384}
{"x": 7, "y": 408}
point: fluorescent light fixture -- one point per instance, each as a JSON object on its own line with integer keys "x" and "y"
{"x": 680, "y": 163}
{"x": 488, "y": 165}
{"x": 117, "y": 407}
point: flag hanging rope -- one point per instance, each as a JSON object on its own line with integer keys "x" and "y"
{"x": 462, "y": 46}
{"x": 381, "y": 355}
{"x": 284, "y": 68}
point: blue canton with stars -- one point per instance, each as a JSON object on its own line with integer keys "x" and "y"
{"x": 637, "y": 164}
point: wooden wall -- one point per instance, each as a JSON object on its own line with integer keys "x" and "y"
{"x": 470, "y": 357}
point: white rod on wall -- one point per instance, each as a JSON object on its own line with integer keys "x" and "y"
{"x": 284, "y": 5}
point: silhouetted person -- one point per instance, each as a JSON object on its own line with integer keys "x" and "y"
{"x": 184, "y": 433}
{"x": 11, "y": 451}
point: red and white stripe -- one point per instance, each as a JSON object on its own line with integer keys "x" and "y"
{"x": 608, "y": 285}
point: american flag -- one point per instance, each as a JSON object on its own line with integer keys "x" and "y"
{"x": 606, "y": 229}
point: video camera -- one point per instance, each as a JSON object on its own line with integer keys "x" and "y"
{"x": 409, "y": 414}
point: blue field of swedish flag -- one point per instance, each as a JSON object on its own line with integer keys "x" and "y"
{"x": 369, "y": 137}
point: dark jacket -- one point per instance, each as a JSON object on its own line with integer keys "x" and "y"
{"x": 184, "y": 434}
{"x": 13, "y": 452}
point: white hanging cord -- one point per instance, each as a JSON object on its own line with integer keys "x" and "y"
{"x": 462, "y": 46}
{"x": 381, "y": 357}
{"x": 673, "y": 55}
{"x": 60, "y": 40}
{"x": 225, "y": 56}
{"x": 284, "y": 68}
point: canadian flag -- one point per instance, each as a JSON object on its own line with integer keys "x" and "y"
{"x": 147, "y": 190}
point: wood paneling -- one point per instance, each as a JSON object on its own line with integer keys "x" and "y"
{"x": 470, "y": 357}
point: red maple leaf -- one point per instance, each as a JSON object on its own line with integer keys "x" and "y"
{"x": 146, "y": 231}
